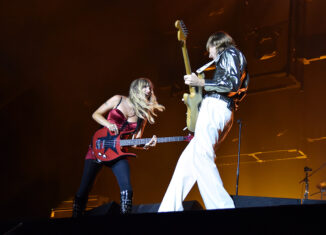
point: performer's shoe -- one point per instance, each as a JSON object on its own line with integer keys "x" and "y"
{"x": 78, "y": 207}
{"x": 126, "y": 202}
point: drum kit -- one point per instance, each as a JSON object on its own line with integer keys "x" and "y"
{"x": 322, "y": 189}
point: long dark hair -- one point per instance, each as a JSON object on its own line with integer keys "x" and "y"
{"x": 220, "y": 40}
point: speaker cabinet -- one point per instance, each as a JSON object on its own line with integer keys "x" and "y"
{"x": 251, "y": 201}
{"x": 153, "y": 208}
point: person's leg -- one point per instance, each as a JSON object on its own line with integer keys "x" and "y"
{"x": 91, "y": 168}
{"x": 181, "y": 183}
{"x": 214, "y": 119}
{"x": 211, "y": 187}
{"x": 121, "y": 170}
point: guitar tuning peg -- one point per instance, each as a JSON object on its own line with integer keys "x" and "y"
{"x": 185, "y": 128}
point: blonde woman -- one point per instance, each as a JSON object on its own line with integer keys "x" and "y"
{"x": 124, "y": 114}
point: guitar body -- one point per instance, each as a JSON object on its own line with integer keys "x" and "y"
{"x": 192, "y": 102}
{"x": 106, "y": 147}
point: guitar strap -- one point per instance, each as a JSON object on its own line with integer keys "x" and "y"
{"x": 139, "y": 123}
{"x": 241, "y": 89}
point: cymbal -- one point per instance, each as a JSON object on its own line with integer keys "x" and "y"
{"x": 321, "y": 185}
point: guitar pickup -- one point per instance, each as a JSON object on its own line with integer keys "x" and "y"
{"x": 99, "y": 144}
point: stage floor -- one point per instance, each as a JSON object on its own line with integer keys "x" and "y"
{"x": 284, "y": 219}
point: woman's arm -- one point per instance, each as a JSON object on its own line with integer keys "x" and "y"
{"x": 98, "y": 115}
{"x": 139, "y": 134}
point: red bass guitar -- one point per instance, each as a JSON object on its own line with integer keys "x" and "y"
{"x": 108, "y": 147}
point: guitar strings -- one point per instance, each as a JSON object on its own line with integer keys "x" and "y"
{"x": 111, "y": 142}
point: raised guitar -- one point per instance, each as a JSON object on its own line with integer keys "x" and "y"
{"x": 194, "y": 98}
{"x": 108, "y": 147}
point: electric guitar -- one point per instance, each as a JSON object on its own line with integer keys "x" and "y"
{"x": 107, "y": 146}
{"x": 194, "y": 98}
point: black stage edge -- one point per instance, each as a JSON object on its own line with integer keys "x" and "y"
{"x": 282, "y": 219}
{"x": 152, "y": 208}
{"x": 252, "y": 201}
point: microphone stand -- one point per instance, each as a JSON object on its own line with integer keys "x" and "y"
{"x": 238, "y": 166}
{"x": 306, "y": 180}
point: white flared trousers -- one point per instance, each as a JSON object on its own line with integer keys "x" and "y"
{"x": 197, "y": 162}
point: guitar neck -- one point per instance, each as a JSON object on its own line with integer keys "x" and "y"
{"x": 186, "y": 58}
{"x": 187, "y": 65}
{"x": 132, "y": 142}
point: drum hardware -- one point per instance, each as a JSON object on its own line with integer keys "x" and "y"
{"x": 321, "y": 186}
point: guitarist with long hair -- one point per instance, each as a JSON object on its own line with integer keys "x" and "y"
{"x": 124, "y": 114}
{"x": 223, "y": 93}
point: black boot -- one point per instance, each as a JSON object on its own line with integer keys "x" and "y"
{"x": 126, "y": 202}
{"x": 78, "y": 207}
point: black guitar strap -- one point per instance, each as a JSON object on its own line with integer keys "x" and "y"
{"x": 123, "y": 125}
{"x": 118, "y": 103}
{"x": 139, "y": 123}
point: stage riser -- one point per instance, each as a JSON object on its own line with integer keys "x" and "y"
{"x": 251, "y": 201}
{"x": 239, "y": 201}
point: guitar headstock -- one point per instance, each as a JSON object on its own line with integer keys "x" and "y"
{"x": 182, "y": 30}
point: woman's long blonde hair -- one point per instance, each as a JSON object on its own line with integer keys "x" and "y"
{"x": 144, "y": 107}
